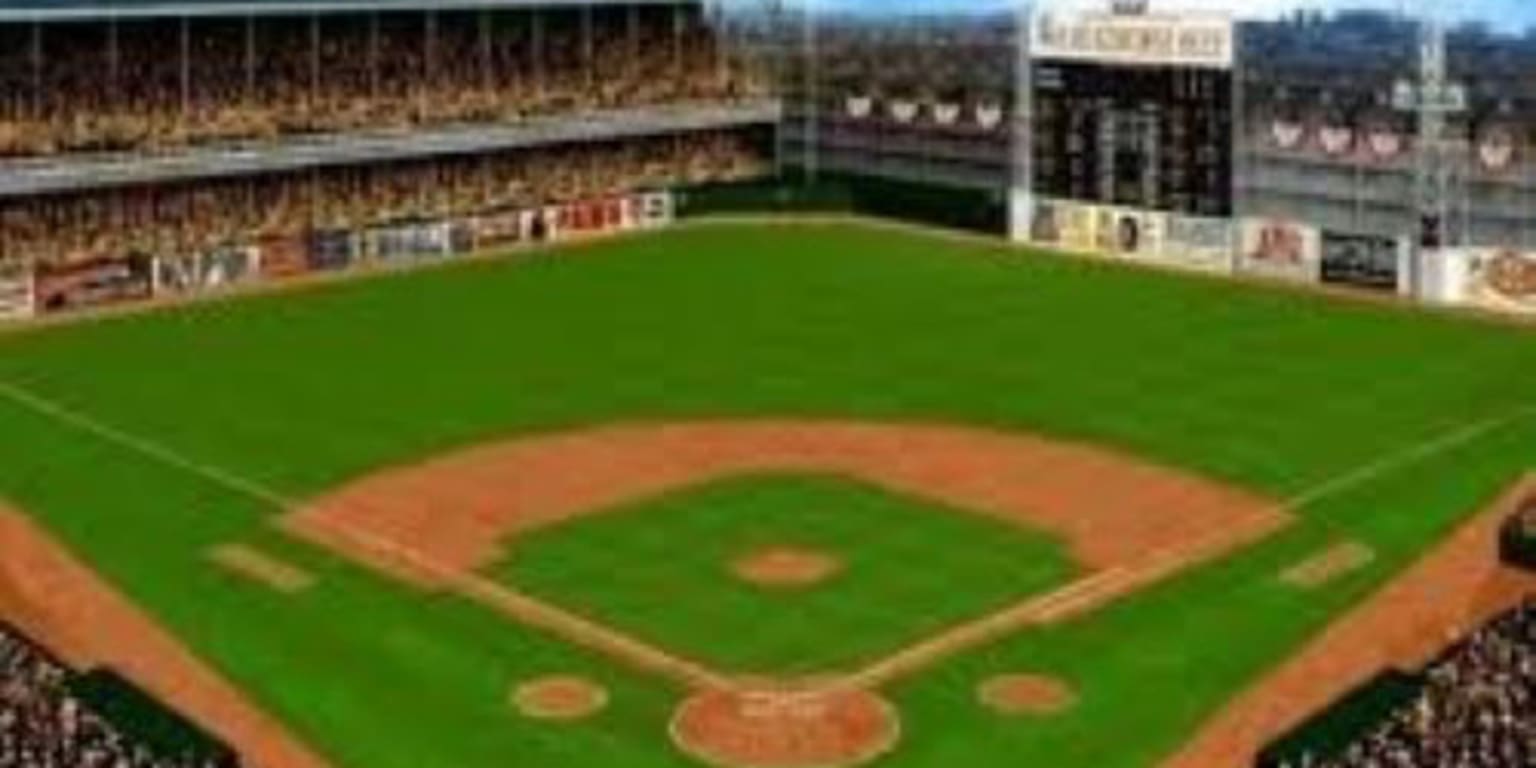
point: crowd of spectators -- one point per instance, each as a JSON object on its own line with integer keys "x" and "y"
{"x": 166, "y": 83}
{"x": 42, "y": 725}
{"x": 1477, "y": 711}
{"x": 189, "y": 217}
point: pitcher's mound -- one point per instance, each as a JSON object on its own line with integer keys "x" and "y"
{"x": 786, "y": 568}
{"x": 1025, "y": 695}
{"x": 785, "y": 727}
{"x": 559, "y": 698}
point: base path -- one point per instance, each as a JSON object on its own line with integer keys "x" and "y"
{"x": 1456, "y": 588}
{"x": 457, "y": 512}
{"x": 1128, "y": 523}
{"x": 65, "y": 606}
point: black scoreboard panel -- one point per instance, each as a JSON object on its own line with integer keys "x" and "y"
{"x": 1152, "y": 137}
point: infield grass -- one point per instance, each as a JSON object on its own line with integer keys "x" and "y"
{"x": 1272, "y": 390}
{"x": 662, "y": 569}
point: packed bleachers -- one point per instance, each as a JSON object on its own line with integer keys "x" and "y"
{"x": 43, "y": 724}
{"x": 1476, "y": 710}
{"x": 181, "y": 218}
{"x": 156, "y": 84}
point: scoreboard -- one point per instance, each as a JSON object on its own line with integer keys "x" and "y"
{"x": 1133, "y": 110}
{"x": 1155, "y": 138}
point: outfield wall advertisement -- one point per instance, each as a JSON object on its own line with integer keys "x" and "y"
{"x": 1494, "y": 279}
{"x": 1363, "y": 261}
{"x": 16, "y": 294}
{"x": 1280, "y": 248}
{"x": 92, "y": 282}
{"x": 207, "y": 271}
{"x": 1190, "y": 242}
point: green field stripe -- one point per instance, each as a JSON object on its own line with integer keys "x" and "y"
{"x": 1341, "y": 406}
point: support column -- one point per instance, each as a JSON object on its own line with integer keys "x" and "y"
{"x": 37, "y": 69}
{"x": 537, "y": 49}
{"x": 186, "y": 66}
{"x": 812, "y": 94}
{"x": 429, "y": 58}
{"x": 314, "y": 67}
{"x": 373, "y": 58}
{"x": 250, "y": 58}
{"x": 586, "y": 44}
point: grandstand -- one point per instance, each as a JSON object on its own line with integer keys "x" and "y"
{"x": 277, "y": 127}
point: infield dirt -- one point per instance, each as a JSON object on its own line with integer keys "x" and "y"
{"x": 78, "y": 616}
{"x": 1455, "y": 588}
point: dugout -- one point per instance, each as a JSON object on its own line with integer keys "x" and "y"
{"x": 1517, "y": 537}
{"x": 1349, "y": 719}
{"x": 142, "y": 718}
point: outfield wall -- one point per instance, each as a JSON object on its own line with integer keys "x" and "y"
{"x": 976, "y": 210}
{"x": 48, "y": 290}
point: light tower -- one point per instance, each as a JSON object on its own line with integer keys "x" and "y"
{"x": 1433, "y": 99}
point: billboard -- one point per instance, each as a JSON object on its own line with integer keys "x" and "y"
{"x": 1192, "y": 242}
{"x": 332, "y": 250}
{"x": 206, "y": 271}
{"x": 15, "y": 292}
{"x": 1129, "y": 233}
{"x": 1280, "y": 248}
{"x": 282, "y": 257}
{"x": 1064, "y": 224}
{"x": 1361, "y": 261}
{"x": 1199, "y": 242}
{"x": 1494, "y": 279}
{"x": 94, "y": 282}
{"x": 1186, "y": 40}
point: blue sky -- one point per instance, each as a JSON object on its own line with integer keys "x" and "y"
{"x": 1503, "y": 14}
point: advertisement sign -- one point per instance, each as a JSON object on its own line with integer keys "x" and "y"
{"x": 1361, "y": 261}
{"x": 211, "y": 270}
{"x": 1064, "y": 224}
{"x": 1190, "y": 40}
{"x": 1495, "y": 279}
{"x": 283, "y": 257}
{"x": 1199, "y": 242}
{"x": 500, "y": 228}
{"x": 1130, "y": 233}
{"x": 15, "y": 292}
{"x": 228, "y": 265}
{"x": 332, "y": 250}
{"x": 1280, "y": 248}
{"x": 411, "y": 240}
{"x": 1503, "y": 280}
{"x": 95, "y": 282}
{"x": 178, "y": 273}
{"x": 652, "y": 209}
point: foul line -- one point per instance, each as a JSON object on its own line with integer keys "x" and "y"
{"x": 1413, "y": 454}
{"x": 528, "y": 610}
{"x": 142, "y": 446}
{"x": 1070, "y": 600}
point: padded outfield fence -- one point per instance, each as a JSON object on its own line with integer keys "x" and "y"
{"x": 840, "y": 193}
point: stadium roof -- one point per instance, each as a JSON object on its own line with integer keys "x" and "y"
{"x": 77, "y": 10}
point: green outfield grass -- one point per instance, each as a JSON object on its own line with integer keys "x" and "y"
{"x": 661, "y": 570}
{"x": 1275, "y": 391}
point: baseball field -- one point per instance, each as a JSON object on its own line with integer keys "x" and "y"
{"x": 753, "y": 494}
